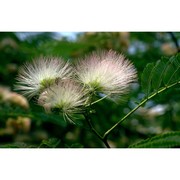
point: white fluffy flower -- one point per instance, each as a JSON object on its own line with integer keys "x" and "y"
{"x": 68, "y": 97}
{"x": 106, "y": 72}
{"x": 36, "y": 76}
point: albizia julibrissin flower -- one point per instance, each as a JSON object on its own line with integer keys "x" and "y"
{"x": 68, "y": 97}
{"x": 106, "y": 72}
{"x": 34, "y": 77}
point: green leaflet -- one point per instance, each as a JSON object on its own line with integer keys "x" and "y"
{"x": 146, "y": 78}
{"x": 167, "y": 140}
{"x": 172, "y": 73}
{"x": 157, "y": 74}
{"x": 168, "y": 73}
{"x": 161, "y": 74}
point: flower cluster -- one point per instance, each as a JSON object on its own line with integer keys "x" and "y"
{"x": 60, "y": 86}
{"x": 67, "y": 96}
{"x": 40, "y": 74}
{"x": 106, "y": 72}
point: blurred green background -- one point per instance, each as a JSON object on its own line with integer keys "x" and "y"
{"x": 24, "y": 124}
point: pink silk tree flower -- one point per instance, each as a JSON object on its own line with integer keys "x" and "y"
{"x": 106, "y": 72}
{"x": 68, "y": 97}
{"x": 34, "y": 77}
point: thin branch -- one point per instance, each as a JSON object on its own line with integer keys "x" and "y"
{"x": 97, "y": 100}
{"x": 174, "y": 39}
{"x": 104, "y": 140}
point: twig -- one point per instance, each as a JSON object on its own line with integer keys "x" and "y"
{"x": 174, "y": 39}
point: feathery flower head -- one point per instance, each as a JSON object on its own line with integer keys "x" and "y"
{"x": 68, "y": 97}
{"x": 106, "y": 72}
{"x": 40, "y": 74}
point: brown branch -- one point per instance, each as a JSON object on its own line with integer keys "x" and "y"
{"x": 175, "y": 40}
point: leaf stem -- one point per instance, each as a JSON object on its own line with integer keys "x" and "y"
{"x": 133, "y": 110}
{"x": 97, "y": 100}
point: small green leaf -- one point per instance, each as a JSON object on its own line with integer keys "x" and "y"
{"x": 146, "y": 78}
{"x": 157, "y": 74}
{"x": 167, "y": 140}
{"x": 172, "y": 71}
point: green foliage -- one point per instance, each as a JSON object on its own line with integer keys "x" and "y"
{"x": 47, "y": 143}
{"x": 76, "y": 145}
{"x": 146, "y": 78}
{"x": 163, "y": 73}
{"x": 172, "y": 72}
{"x": 50, "y": 143}
{"x": 40, "y": 117}
{"x": 17, "y": 145}
{"x": 167, "y": 140}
